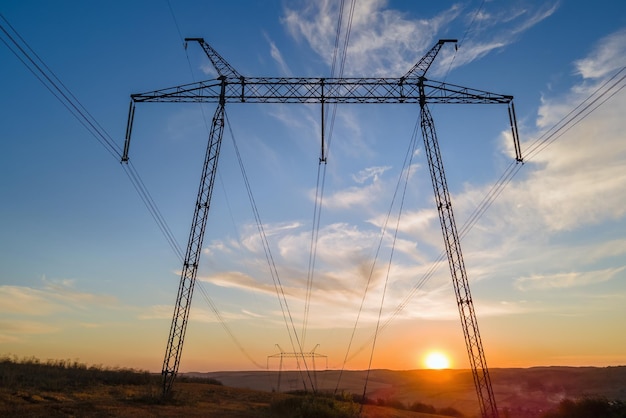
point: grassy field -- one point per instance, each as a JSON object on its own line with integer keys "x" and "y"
{"x": 31, "y": 388}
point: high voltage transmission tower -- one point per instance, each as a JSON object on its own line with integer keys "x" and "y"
{"x": 282, "y": 354}
{"x": 412, "y": 88}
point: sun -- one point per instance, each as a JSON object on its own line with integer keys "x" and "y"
{"x": 437, "y": 360}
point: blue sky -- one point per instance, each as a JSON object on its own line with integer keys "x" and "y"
{"x": 86, "y": 274}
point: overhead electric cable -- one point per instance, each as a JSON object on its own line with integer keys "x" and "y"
{"x": 47, "y": 77}
{"x": 405, "y": 169}
{"x": 321, "y": 168}
{"x": 50, "y": 80}
{"x": 278, "y": 286}
{"x": 153, "y": 209}
{"x": 225, "y": 326}
{"x": 575, "y": 115}
{"x": 204, "y": 292}
{"x": 550, "y": 135}
{"x": 61, "y": 92}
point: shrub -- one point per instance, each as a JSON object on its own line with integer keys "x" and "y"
{"x": 450, "y": 412}
{"x": 422, "y": 407}
{"x": 314, "y": 406}
{"x": 588, "y": 408}
{"x": 60, "y": 375}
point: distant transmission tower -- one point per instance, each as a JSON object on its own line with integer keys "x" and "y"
{"x": 283, "y": 355}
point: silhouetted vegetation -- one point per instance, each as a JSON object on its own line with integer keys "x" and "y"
{"x": 344, "y": 404}
{"x": 316, "y": 406}
{"x": 61, "y": 375}
{"x": 418, "y": 407}
{"x": 422, "y": 407}
{"x": 588, "y": 408}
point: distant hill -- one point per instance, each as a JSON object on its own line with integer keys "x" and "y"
{"x": 29, "y": 388}
{"x": 523, "y": 393}
{"x": 64, "y": 388}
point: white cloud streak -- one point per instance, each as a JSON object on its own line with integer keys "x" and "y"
{"x": 386, "y": 42}
{"x": 52, "y": 298}
{"x": 576, "y": 182}
{"x": 278, "y": 56}
{"x": 566, "y": 280}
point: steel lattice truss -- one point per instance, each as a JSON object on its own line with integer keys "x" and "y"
{"x": 321, "y": 90}
{"x": 413, "y": 88}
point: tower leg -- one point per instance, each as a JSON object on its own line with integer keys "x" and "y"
{"x": 192, "y": 256}
{"x": 473, "y": 343}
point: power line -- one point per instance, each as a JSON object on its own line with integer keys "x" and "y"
{"x": 204, "y": 292}
{"x": 405, "y": 169}
{"x": 278, "y": 286}
{"x": 460, "y": 44}
{"x": 551, "y": 135}
{"x": 321, "y": 168}
{"x": 577, "y": 114}
{"x": 46, "y": 76}
{"x": 62, "y": 93}
{"x": 25, "y": 54}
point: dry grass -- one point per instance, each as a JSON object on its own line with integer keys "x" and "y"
{"x": 30, "y": 388}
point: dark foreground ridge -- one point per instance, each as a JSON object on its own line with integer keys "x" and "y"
{"x": 31, "y": 388}
{"x": 62, "y": 388}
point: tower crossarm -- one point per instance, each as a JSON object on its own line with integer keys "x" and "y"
{"x": 310, "y": 90}
{"x": 222, "y": 66}
{"x": 420, "y": 68}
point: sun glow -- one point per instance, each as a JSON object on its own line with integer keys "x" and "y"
{"x": 436, "y": 360}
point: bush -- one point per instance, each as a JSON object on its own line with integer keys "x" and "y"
{"x": 390, "y": 403}
{"x": 60, "y": 375}
{"x": 450, "y": 412}
{"x": 588, "y": 408}
{"x": 314, "y": 406}
{"x": 422, "y": 407}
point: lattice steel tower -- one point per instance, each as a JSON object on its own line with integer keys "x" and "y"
{"x": 412, "y": 88}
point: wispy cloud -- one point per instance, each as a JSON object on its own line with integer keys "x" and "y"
{"x": 53, "y": 297}
{"x": 494, "y": 29}
{"x": 608, "y": 56}
{"x": 566, "y": 280}
{"x": 370, "y": 172}
{"x": 384, "y": 41}
{"x": 277, "y": 56}
{"x": 575, "y": 182}
{"x": 53, "y": 306}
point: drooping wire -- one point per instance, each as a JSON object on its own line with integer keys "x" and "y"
{"x": 460, "y": 44}
{"x": 22, "y": 50}
{"x": 46, "y": 76}
{"x": 321, "y": 172}
{"x": 405, "y": 169}
{"x": 344, "y": 54}
{"x": 321, "y": 168}
{"x": 337, "y": 35}
{"x": 482, "y": 207}
{"x": 205, "y": 293}
{"x": 589, "y": 105}
{"x": 411, "y": 152}
{"x": 278, "y": 286}
{"x": 153, "y": 209}
{"x": 577, "y": 114}
{"x": 62, "y": 93}
{"x": 225, "y": 326}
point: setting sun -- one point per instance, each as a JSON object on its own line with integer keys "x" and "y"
{"x": 436, "y": 360}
